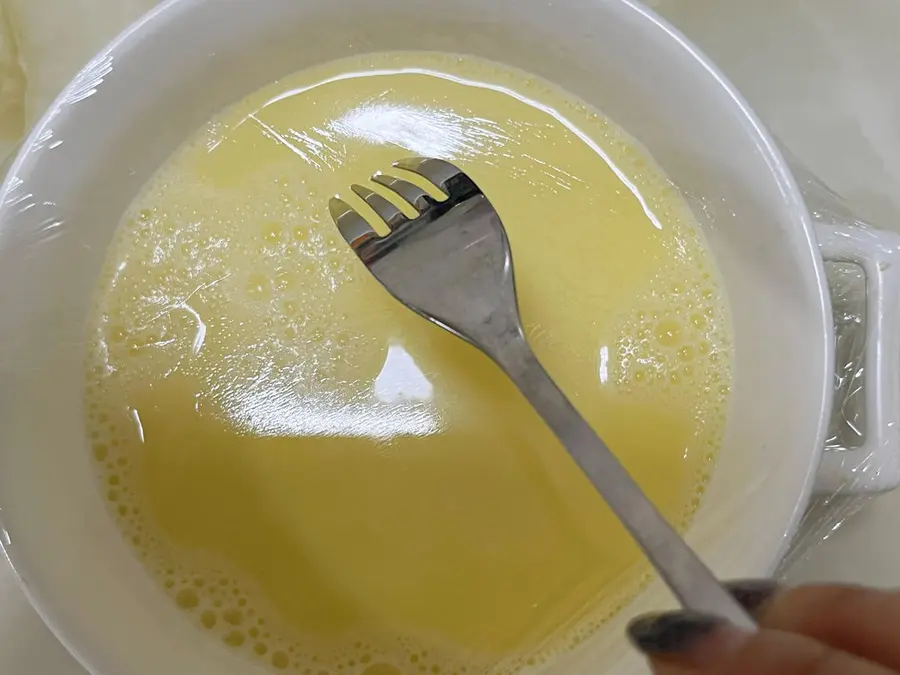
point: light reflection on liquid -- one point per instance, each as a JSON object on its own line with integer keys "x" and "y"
{"x": 426, "y": 131}
{"x": 399, "y": 403}
{"x": 603, "y": 370}
{"x": 400, "y": 379}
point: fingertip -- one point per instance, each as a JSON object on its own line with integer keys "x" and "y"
{"x": 670, "y": 634}
{"x": 684, "y": 641}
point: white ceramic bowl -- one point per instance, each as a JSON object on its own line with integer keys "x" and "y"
{"x": 165, "y": 76}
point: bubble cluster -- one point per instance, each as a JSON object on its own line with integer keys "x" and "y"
{"x": 677, "y": 346}
{"x": 201, "y": 257}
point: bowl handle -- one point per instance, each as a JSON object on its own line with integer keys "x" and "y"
{"x": 875, "y": 465}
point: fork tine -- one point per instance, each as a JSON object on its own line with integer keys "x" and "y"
{"x": 353, "y": 227}
{"x": 389, "y": 213}
{"x": 412, "y": 194}
{"x": 437, "y": 171}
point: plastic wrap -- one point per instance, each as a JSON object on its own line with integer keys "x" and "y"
{"x": 49, "y": 47}
{"x": 851, "y": 423}
{"x": 865, "y": 473}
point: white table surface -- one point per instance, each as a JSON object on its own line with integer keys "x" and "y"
{"x": 819, "y": 72}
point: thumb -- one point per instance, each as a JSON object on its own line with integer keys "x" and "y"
{"x": 688, "y": 643}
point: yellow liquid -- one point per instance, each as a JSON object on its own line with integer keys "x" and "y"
{"x": 324, "y": 480}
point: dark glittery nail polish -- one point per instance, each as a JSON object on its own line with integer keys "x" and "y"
{"x": 670, "y": 633}
{"x": 752, "y": 594}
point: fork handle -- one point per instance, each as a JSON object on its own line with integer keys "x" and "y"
{"x": 690, "y": 580}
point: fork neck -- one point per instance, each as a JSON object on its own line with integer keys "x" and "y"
{"x": 505, "y": 342}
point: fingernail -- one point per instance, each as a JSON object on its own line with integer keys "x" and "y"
{"x": 670, "y": 633}
{"x": 752, "y": 594}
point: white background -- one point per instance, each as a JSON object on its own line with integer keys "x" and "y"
{"x": 822, "y": 75}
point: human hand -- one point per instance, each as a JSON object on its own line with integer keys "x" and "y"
{"x": 811, "y": 630}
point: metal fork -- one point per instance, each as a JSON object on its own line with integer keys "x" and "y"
{"x": 452, "y": 265}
